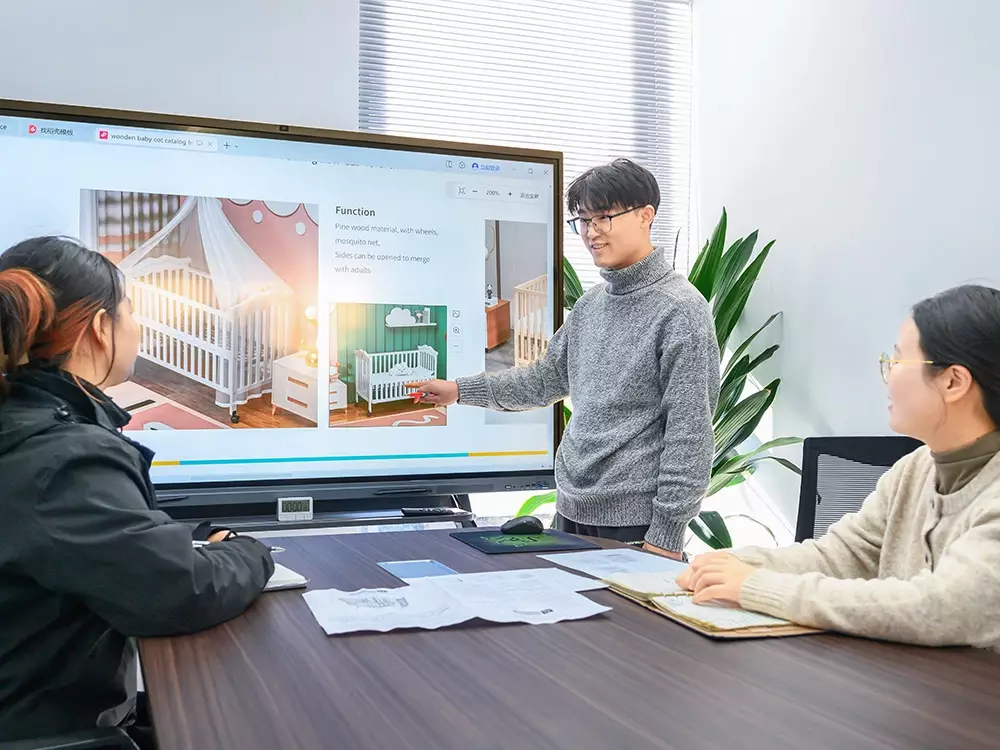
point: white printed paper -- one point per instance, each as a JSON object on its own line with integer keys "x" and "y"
{"x": 602, "y": 563}
{"x": 383, "y": 610}
{"x": 720, "y": 618}
{"x": 552, "y": 577}
{"x": 518, "y": 598}
{"x": 440, "y": 601}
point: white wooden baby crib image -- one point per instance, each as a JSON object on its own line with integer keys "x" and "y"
{"x": 531, "y": 320}
{"x": 383, "y": 377}
{"x": 217, "y": 314}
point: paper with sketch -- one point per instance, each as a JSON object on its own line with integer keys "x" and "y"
{"x": 552, "y": 577}
{"x": 439, "y": 601}
{"x": 715, "y": 617}
{"x": 519, "y": 598}
{"x": 382, "y": 610}
{"x": 602, "y": 563}
{"x": 645, "y": 585}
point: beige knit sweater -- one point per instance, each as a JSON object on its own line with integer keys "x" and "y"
{"x": 912, "y": 565}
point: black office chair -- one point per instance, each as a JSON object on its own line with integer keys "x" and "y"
{"x": 91, "y": 739}
{"x": 838, "y": 473}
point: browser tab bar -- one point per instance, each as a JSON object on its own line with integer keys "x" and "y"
{"x": 156, "y": 139}
{"x": 46, "y": 129}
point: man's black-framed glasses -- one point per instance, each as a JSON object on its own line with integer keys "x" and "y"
{"x": 601, "y": 224}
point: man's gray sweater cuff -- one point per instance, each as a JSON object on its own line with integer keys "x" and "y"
{"x": 473, "y": 391}
{"x": 667, "y": 533}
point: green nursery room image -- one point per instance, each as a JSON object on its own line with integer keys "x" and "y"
{"x": 376, "y": 350}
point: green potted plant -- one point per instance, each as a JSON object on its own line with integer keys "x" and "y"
{"x": 726, "y": 278}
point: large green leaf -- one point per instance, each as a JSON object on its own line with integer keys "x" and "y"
{"x": 739, "y": 424}
{"x": 729, "y": 310}
{"x": 732, "y": 388}
{"x": 535, "y": 502}
{"x": 699, "y": 263}
{"x": 737, "y": 463}
{"x": 735, "y": 475}
{"x": 732, "y": 265}
{"x": 741, "y": 477}
{"x": 751, "y": 425}
{"x": 762, "y": 357}
{"x": 746, "y": 344}
{"x": 701, "y": 531}
{"x": 735, "y": 419}
{"x": 705, "y": 271}
{"x": 572, "y": 288}
{"x": 710, "y": 527}
{"x": 721, "y": 480}
{"x": 735, "y": 380}
{"x": 784, "y": 462}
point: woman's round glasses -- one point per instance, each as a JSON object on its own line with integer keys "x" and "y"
{"x": 886, "y": 363}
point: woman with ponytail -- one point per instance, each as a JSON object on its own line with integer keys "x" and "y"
{"x": 87, "y": 562}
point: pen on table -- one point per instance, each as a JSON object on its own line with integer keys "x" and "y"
{"x": 200, "y": 543}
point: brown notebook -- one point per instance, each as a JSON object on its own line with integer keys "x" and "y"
{"x": 725, "y": 623}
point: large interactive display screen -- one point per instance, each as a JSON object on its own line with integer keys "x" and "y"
{"x": 290, "y": 283}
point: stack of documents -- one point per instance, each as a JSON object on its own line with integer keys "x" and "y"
{"x": 535, "y": 597}
{"x": 650, "y": 580}
{"x": 713, "y": 617}
{"x": 660, "y": 593}
{"x": 645, "y": 586}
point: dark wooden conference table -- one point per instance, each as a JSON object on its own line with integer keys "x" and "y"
{"x": 628, "y": 680}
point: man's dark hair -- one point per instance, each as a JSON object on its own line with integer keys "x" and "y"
{"x": 622, "y": 184}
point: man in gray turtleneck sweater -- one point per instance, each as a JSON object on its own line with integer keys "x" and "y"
{"x": 639, "y": 359}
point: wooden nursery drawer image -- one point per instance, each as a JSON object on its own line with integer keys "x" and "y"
{"x": 294, "y": 386}
{"x": 338, "y": 395}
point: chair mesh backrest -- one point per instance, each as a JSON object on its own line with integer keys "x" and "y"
{"x": 842, "y": 486}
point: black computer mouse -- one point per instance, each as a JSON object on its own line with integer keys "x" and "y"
{"x": 523, "y": 525}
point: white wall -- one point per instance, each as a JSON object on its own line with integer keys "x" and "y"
{"x": 862, "y": 135}
{"x": 293, "y": 62}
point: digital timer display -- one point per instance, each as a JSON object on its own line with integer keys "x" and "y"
{"x": 295, "y": 509}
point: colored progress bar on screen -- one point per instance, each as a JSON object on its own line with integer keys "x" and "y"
{"x": 321, "y": 459}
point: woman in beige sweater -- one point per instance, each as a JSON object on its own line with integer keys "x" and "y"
{"x": 920, "y": 562}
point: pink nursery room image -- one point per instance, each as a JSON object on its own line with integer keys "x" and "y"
{"x": 224, "y": 291}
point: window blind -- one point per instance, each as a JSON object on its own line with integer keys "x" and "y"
{"x": 593, "y": 79}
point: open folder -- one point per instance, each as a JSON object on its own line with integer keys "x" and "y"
{"x": 660, "y": 593}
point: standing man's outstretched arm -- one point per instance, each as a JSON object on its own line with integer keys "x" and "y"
{"x": 541, "y": 383}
